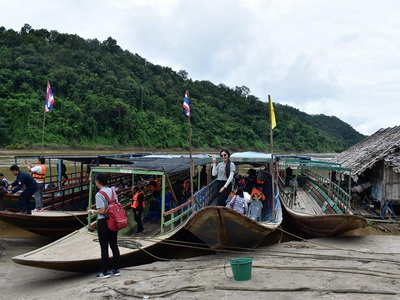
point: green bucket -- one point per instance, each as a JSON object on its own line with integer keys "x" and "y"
{"x": 241, "y": 268}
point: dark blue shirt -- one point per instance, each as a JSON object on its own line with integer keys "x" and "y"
{"x": 24, "y": 179}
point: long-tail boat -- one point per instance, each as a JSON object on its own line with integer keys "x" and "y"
{"x": 321, "y": 205}
{"x": 224, "y": 228}
{"x": 164, "y": 233}
{"x": 65, "y": 200}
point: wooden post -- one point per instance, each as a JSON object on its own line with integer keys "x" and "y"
{"x": 170, "y": 186}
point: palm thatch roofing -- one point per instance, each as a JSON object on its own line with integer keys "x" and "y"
{"x": 383, "y": 145}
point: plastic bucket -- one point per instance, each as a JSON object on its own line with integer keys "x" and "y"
{"x": 241, "y": 268}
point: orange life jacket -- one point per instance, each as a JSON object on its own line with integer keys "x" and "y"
{"x": 135, "y": 200}
{"x": 256, "y": 193}
{"x": 41, "y": 176}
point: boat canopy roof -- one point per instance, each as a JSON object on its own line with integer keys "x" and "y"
{"x": 84, "y": 159}
{"x": 169, "y": 165}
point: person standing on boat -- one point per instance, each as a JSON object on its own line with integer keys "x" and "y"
{"x": 224, "y": 171}
{"x": 138, "y": 205}
{"x": 106, "y": 236}
{"x": 294, "y": 185}
{"x": 39, "y": 174}
{"x": 23, "y": 180}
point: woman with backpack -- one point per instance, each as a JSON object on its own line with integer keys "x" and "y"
{"x": 106, "y": 236}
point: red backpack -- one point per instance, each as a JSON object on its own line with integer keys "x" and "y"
{"x": 116, "y": 214}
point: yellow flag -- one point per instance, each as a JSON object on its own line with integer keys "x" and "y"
{"x": 271, "y": 113}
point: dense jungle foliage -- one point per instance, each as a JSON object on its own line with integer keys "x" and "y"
{"x": 106, "y": 96}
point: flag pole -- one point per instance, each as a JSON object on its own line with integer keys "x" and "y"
{"x": 272, "y": 125}
{"x": 190, "y": 154}
{"x": 44, "y": 122}
{"x": 186, "y": 107}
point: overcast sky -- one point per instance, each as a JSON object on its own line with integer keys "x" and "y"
{"x": 338, "y": 58}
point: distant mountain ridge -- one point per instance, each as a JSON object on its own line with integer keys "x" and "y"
{"x": 105, "y": 96}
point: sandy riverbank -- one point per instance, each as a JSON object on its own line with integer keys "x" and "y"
{"x": 331, "y": 268}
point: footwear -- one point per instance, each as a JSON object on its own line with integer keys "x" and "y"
{"x": 103, "y": 275}
{"x": 114, "y": 272}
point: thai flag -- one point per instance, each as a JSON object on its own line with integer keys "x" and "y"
{"x": 49, "y": 99}
{"x": 186, "y": 104}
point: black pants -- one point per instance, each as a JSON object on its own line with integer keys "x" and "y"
{"x": 225, "y": 193}
{"x": 138, "y": 219}
{"x": 107, "y": 237}
{"x": 25, "y": 199}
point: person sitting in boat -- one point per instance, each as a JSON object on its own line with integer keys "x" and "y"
{"x": 39, "y": 174}
{"x": 247, "y": 195}
{"x": 224, "y": 171}
{"x": 3, "y": 191}
{"x": 255, "y": 208}
{"x": 155, "y": 187}
{"x": 257, "y": 193}
{"x": 238, "y": 202}
{"x": 3, "y": 179}
{"x": 117, "y": 186}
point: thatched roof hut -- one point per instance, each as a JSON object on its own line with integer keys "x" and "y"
{"x": 376, "y": 159}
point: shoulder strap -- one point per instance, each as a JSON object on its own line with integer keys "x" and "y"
{"x": 233, "y": 203}
{"x": 112, "y": 200}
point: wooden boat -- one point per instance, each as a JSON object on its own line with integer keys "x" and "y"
{"x": 321, "y": 207}
{"x": 163, "y": 237}
{"x": 222, "y": 227}
{"x": 64, "y": 205}
{"x": 47, "y": 223}
{"x": 60, "y": 191}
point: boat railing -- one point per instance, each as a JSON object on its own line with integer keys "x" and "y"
{"x": 333, "y": 190}
{"x": 284, "y": 195}
{"x": 179, "y": 214}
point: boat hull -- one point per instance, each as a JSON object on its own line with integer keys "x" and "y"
{"x": 80, "y": 251}
{"x": 47, "y": 223}
{"x": 222, "y": 227}
{"x": 313, "y": 226}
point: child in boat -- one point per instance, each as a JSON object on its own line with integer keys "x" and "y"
{"x": 238, "y": 202}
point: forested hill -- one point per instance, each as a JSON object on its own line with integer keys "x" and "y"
{"x": 105, "y": 96}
